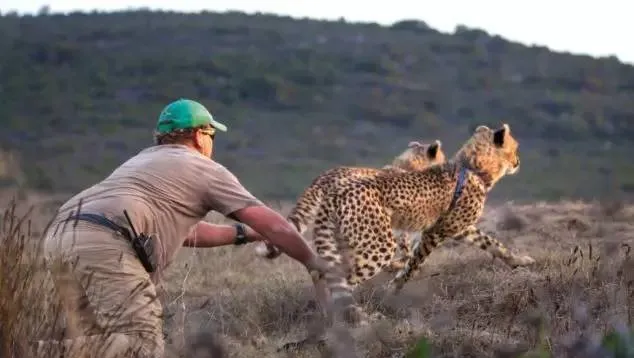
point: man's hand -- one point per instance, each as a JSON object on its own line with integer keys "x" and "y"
{"x": 267, "y": 250}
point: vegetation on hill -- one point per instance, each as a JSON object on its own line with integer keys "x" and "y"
{"x": 80, "y": 93}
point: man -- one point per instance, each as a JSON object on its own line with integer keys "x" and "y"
{"x": 163, "y": 192}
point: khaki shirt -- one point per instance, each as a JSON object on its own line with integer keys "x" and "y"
{"x": 166, "y": 190}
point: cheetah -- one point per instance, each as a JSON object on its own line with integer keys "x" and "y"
{"x": 353, "y": 226}
{"x": 417, "y": 156}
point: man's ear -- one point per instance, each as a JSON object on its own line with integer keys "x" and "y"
{"x": 197, "y": 139}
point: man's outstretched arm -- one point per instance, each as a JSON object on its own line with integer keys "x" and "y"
{"x": 277, "y": 231}
{"x": 264, "y": 224}
{"x": 205, "y": 234}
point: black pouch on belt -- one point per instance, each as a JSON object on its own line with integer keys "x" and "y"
{"x": 142, "y": 244}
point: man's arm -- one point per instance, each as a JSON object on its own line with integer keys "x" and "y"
{"x": 227, "y": 196}
{"x": 205, "y": 234}
{"x": 264, "y": 224}
{"x": 279, "y": 232}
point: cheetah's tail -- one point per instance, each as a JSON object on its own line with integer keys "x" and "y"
{"x": 341, "y": 298}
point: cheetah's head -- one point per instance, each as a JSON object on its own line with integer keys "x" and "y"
{"x": 419, "y": 156}
{"x": 492, "y": 153}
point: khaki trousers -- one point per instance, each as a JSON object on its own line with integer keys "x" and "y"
{"x": 109, "y": 301}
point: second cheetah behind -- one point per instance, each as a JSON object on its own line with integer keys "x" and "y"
{"x": 417, "y": 156}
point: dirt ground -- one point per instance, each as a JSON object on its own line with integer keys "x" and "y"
{"x": 228, "y": 302}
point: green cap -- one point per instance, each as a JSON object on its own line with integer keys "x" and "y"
{"x": 186, "y": 114}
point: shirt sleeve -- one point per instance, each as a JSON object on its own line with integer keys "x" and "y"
{"x": 226, "y": 194}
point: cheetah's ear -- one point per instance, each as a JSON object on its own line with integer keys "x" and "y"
{"x": 432, "y": 151}
{"x": 414, "y": 144}
{"x": 500, "y": 134}
{"x": 481, "y": 128}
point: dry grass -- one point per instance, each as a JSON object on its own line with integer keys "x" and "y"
{"x": 227, "y": 302}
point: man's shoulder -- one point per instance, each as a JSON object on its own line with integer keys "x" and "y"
{"x": 166, "y": 149}
{"x": 178, "y": 154}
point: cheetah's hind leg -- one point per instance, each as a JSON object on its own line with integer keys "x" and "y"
{"x": 372, "y": 249}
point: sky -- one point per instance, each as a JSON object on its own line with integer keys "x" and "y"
{"x": 596, "y": 28}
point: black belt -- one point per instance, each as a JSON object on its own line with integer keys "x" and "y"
{"x": 141, "y": 243}
{"x": 102, "y": 221}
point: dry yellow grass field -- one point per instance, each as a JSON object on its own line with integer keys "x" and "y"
{"x": 228, "y": 302}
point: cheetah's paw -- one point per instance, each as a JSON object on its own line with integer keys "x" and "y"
{"x": 518, "y": 261}
{"x": 395, "y": 285}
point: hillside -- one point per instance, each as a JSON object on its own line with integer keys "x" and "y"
{"x": 81, "y": 93}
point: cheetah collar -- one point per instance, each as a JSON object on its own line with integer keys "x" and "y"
{"x": 460, "y": 183}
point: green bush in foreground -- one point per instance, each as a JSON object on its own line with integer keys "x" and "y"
{"x": 617, "y": 343}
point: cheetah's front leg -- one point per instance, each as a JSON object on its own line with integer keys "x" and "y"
{"x": 474, "y": 236}
{"x": 404, "y": 252}
{"x": 422, "y": 248}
